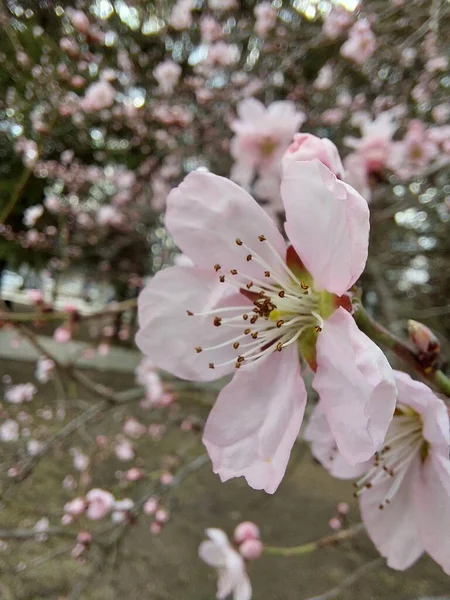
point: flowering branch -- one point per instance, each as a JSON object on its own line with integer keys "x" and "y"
{"x": 328, "y": 540}
{"x": 403, "y": 350}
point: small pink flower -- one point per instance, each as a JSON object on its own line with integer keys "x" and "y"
{"x": 246, "y": 531}
{"x": 18, "y": 394}
{"x": 32, "y": 214}
{"x": 99, "y": 95}
{"x": 361, "y": 43}
{"x": 45, "y": 370}
{"x": 156, "y": 528}
{"x": 336, "y": 22}
{"x": 62, "y": 334}
{"x": 166, "y": 478}
{"x": 80, "y": 21}
{"x": 124, "y": 450}
{"x": 343, "y": 508}
{"x": 404, "y": 490}
{"x": 251, "y": 304}
{"x": 251, "y": 549}
{"x": 335, "y": 523}
{"x": 134, "y": 429}
{"x": 121, "y": 510}
{"x": 75, "y": 507}
{"x": 167, "y": 75}
{"x": 266, "y": 18}
{"x": 217, "y": 552}
{"x": 9, "y": 431}
{"x": 134, "y": 474}
{"x": 307, "y": 147}
{"x": 161, "y": 516}
{"x": 151, "y": 506}
{"x": 100, "y": 503}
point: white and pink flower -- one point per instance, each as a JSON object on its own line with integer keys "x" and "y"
{"x": 404, "y": 490}
{"x": 99, "y": 504}
{"x": 217, "y": 552}
{"x": 253, "y": 307}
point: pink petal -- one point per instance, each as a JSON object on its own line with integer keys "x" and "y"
{"x": 211, "y": 554}
{"x": 324, "y": 449}
{"x": 432, "y": 501}
{"x": 256, "y": 420}
{"x": 432, "y": 409}
{"x": 327, "y": 222}
{"x": 169, "y": 336}
{"x": 206, "y": 214}
{"x": 356, "y": 387}
{"x": 393, "y": 529}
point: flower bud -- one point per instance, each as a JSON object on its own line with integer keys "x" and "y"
{"x": 308, "y": 147}
{"x": 426, "y": 343}
{"x": 246, "y": 531}
{"x": 251, "y": 549}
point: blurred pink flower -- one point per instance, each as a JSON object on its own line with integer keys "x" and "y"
{"x": 32, "y": 214}
{"x": 251, "y": 304}
{"x": 167, "y": 74}
{"x": 18, "y": 394}
{"x": 414, "y": 153}
{"x": 98, "y": 95}
{"x": 9, "y": 431}
{"x": 361, "y": 43}
{"x": 247, "y": 530}
{"x": 266, "y": 18}
{"x": 99, "y": 504}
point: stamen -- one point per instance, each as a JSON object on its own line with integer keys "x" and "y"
{"x": 217, "y": 321}
{"x": 190, "y": 313}
{"x": 238, "y": 242}
{"x": 261, "y": 238}
{"x": 233, "y": 271}
{"x": 198, "y": 349}
{"x": 249, "y": 257}
{"x": 217, "y": 267}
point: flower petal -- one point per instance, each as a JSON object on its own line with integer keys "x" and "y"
{"x": 256, "y": 420}
{"x": 393, "y": 529}
{"x": 327, "y": 222}
{"x": 356, "y": 386}
{"x": 211, "y": 554}
{"x": 431, "y": 494}
{"x": 324, "y": 449}
{"x": 243, "y": 590}
{"x": 169, "y": 336}
{"x": 206, "y": 214}
{"x": 432, "y": 409}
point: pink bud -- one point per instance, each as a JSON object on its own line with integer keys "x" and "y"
{"x": 151, "y": 506}
{"x": 251, "y": 549}
{"x": 162, "y": 516}
{"x": 335, "y": 523}
{"x": 343, "y": 508}
{"x": 166, "y": 478}
{"x": 84, "y": 537}
{"x": 155, "y": 528}
{"x": 246, "y": 531}
{"x": 423, "y": 338}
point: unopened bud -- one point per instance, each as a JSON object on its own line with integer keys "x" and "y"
{"x": 426, "y": 343}
{"x": 251, "y": 549}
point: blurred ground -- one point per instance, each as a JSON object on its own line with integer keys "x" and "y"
{"x": 166, "y": 567}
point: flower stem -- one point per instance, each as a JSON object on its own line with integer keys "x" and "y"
{"x": 381, "y": 336}
{"x": 328, "y": 540}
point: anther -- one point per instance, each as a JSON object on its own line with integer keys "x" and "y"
{"x": 262, "y": 238}
{"x": 198, "y": 349}
{"x": 254, "y": 335}
{"x": 217, "y": 267}
{"x": 266, "y": 273}
{"x": 249, "y": 257}
{"x": 304, "y": 285}
{"x": 190, "y": 313}
{"x": 217, "y": 321}
{"x": 240, "y": 359}
{"x": 317, "y": 329}
{"x": 237, "y": 365}
{"x": 282, "y": 294}
{"x": 245, "y": 316}
{"x": 238, "y": 242}
{"x": 211, "y": 365}
{"x": 279, "y": 346}
{"x": 236, "y": 345}
{"x": 262, "y": 294}
{"x": 222, "y": 278}
{"x": 247, "y": 331}
{"x": 233, "y": 271}
{"x": 249, "y": 285}
{"x": 280, "y": 323}
{"x": 254, "y": 319}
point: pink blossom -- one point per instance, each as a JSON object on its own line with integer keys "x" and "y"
{"x": 181, "y": 17}
{"x": 251, "y": 549}
{"x": 167, "y": 75}
{"x": 223, "y": 54}
{"x": 156, "y": 528}
{"x": 62, "y": 334}
{"x": 324, "y": 79}
{"x": 124, "y": 450}
{"x": 75, "y": 507}
{"x": 52, "y": 204}
{"x": 34, "y": 447}
{"x": 210, "y": 29}
{"x": 35, "y": 296}
{"x": 261, "y": 137}
{"x": 134, "y": 429}
{"x": 414, "y": 153}
{"x": 335, "y": 523}
{"x": 287, "y": 301}
{"x": 134, "y": 474}
{"x": 18, "y": 394}
{"x": 41, "y": 527}
{"x": 45, "y": 369}
{"x": 166, "y": 478}
{"x": 100, "y": 503}
{"x": 336, "y": 22}
{"x": 147, "y": 376}
{"x": 217, "y": 552}
{"x": 99, "y": 95}
{"x": 266, "y": 18}
{"x": 405, "y": 490}
{"x": 32, "y": 214}
{"x": 121, "y": 510}
{"x": 80, "y": 460}
{"x": 222, "y": 4}
{"x": 161, "y": 516}
{"x": 361, "y": 43}
{"x": 307, "y": 147}
{"x": 109, "y": 215}
{"x": 343, "y": 508}
{"x": 376, "y": 142}
{"x": 246, "y": 531}
{"x": 9, "y": 431}
{"x": 151, "y": 506}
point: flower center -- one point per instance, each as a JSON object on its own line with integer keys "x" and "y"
{"x": 404, "y": 441}
{"x": 284, "y": 307}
